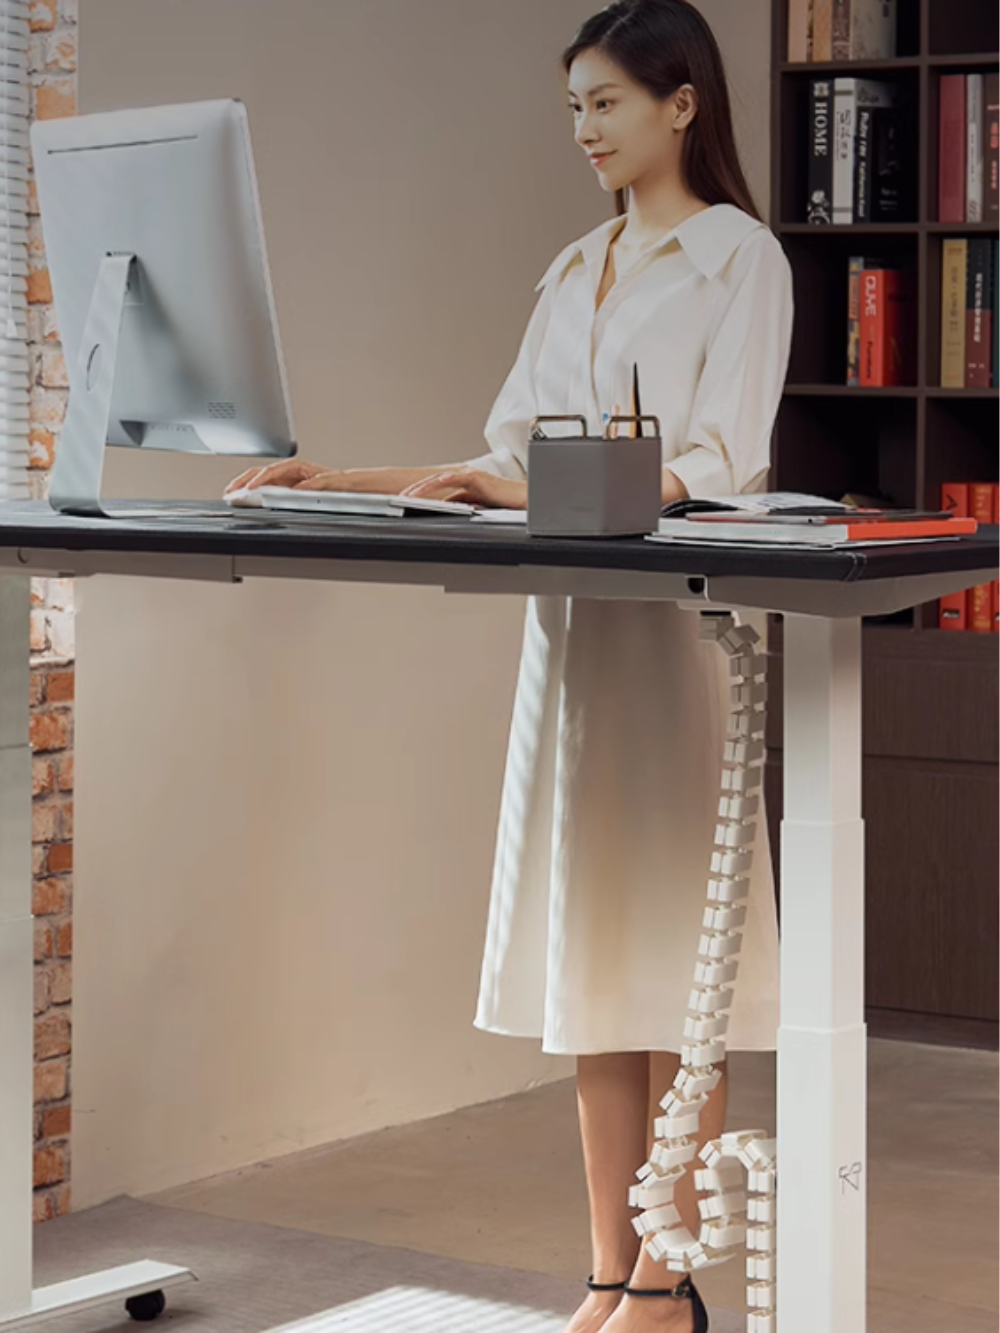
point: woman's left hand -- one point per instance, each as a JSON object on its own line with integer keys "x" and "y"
{"x": 472, "y": 487}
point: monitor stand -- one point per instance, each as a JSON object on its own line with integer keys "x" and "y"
{"x": 75, "y": 486}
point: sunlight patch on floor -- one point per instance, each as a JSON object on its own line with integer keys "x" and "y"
{"x": 421, "y": 1310}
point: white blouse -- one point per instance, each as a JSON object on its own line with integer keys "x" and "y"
{"x": 705, "y": 312}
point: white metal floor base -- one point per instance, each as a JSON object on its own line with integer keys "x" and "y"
{"x": 94, "y": 1289}
{"x": 20, "y": 1306}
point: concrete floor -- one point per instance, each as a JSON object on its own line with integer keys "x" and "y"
{"x": 502, "y": 1183}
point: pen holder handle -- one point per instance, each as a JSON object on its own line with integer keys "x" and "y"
{"x": 537, "y": 434}
{"x": 639, "y": 417}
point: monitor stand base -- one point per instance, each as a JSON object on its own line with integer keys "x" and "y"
{"x": 79, "y": 463}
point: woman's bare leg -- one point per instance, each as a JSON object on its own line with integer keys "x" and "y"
{"x": 666, "y": 1315}
{"x": 618, "y": 1098}
{"x": 613, "y": 1094}
{"x": 663, "y": 1068}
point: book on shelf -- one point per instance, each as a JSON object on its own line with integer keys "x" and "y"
{"x": 880, "y": 350}
{"x": 799, "y": 31}
{"x": 952, "y": 142}
{"x": 819, "y": 209}
{"x": 952, "y": 607}
{"x": 991, "y": 175}
{"x": 881, "y": 192}
{"x": 979, "y": 314}
{"x": 855, "y": 266}
{"x": 979, "y": 612}
{"x": 850, "y": 94}
{"x": 975, "y": 156}
{"x": 864, "y": 29}
{"x": 886, "y": 320}
{"x": 968, "y": 312}
{"x": 967, "y": 148}
{"x": 974, "y": 609}
{"x": 827, "y": 30}
{"x": 954, "y": 264}
{"x": 822, "y": 31}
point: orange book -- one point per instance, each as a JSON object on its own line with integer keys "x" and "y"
{"x": 885, "y": 317}
{"x": 996, "y": 582}
{"x": 980, "y": 612}
{"x": 952, "y": 607}
{"x": 979, "y": 615}
{"x": 981, "y": 502}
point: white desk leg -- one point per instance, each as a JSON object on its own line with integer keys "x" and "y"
{"x": 16, "y": 953}
{"x": 822, "y": 1171}
{"x": 20, "y": 1305}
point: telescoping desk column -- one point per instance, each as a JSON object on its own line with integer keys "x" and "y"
{"x": 822, "y": 595}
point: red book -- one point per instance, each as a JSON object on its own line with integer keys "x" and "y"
{"x": 952, "y": 607}
{"x": 952, "y": 133}
{"x": 981, "y": 501}
{"x": 979, "y": 614}
{"x": 996, "y": 582}
{"x": 885, "y": 321}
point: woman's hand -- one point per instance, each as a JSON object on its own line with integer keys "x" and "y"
{"x": 289, "y": 472}
{"x": 472, "y": 487}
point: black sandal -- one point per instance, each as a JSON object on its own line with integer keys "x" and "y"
{"x": 605, "y": 1286}
{"x": 684, "y": 1291}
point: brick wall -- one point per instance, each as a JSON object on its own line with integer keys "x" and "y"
{"x": 53, "y": 78}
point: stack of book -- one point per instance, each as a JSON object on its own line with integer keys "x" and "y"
{"x": 968, "y": 142}
{"x": 782, "y": 520}
{"x": 880, "y": 324}
{"x": 826, "y": 30}
{"x": 969, "y": 273}
{"x": 856, "y": 160}
{"x": 976, "y": 609}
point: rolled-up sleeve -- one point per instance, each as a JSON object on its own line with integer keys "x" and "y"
{"x": 516, "y": 405}
{"x": 739, "y": 389}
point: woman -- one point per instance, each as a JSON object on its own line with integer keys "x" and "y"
{"x": 612, "y": 779}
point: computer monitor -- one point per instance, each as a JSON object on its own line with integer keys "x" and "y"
{"x": 155, "y": 246}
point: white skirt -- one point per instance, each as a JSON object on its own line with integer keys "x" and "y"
{"x": 607, "y": 825}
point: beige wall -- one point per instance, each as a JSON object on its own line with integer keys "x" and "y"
{"x": 287, "y": 793}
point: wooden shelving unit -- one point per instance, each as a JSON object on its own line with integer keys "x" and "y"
{"x": 931, "y": 713}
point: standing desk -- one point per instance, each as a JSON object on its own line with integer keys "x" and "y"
{"x": 821, "y": 1093}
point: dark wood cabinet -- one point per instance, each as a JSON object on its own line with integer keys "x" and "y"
{"x": 930, "y": 793}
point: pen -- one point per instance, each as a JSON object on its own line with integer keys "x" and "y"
{"x": 636, "y": 404}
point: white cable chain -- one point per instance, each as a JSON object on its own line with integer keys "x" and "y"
{"x": 14, "y": 167}
{"x": 737, "y": 1208}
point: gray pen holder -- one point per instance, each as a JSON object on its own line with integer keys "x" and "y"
{"x": 591, "y": 485}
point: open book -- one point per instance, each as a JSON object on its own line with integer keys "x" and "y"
{"x": 763, "y": 502}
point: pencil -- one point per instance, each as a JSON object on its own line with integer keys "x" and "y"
{"x": 636, "y": 404}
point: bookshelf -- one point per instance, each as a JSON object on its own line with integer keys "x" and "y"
{"x": 930, "y": 727}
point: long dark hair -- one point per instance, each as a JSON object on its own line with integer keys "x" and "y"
{"x": 662, "y": 44}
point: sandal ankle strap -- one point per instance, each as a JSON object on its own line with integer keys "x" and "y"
{"x": 606, "y": 1286}
{"x": 684, "y": 1291}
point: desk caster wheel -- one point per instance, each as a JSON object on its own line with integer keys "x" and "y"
{"x": 147, "y": 1306}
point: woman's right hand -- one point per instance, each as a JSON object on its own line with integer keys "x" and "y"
{"x": 287, "y": 472}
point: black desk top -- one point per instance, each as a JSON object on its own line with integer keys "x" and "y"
{"x": 445, "y": 540}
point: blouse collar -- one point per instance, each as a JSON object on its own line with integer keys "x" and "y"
{"x": 708, "y": 238}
